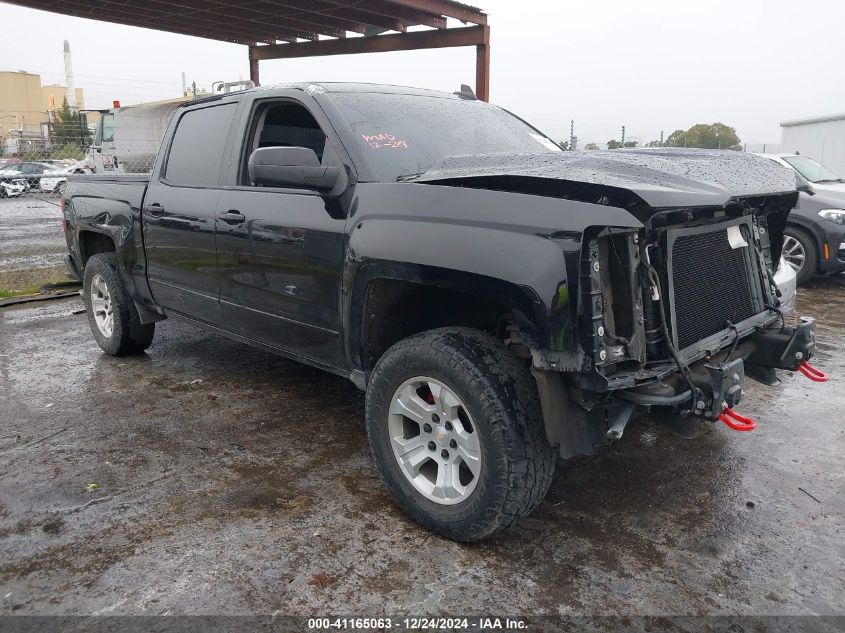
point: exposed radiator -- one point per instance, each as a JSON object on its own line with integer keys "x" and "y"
{"x": 711, "y": 282}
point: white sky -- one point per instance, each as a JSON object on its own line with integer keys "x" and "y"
{"x": 649, "y": 64}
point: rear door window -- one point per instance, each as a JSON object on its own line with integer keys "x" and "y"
{"x": 196, "y": 151}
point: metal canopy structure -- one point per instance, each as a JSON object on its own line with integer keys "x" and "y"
{"x": 279, "y": 29}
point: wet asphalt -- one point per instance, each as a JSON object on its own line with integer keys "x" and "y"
{"x": 30, "y": 232}
{"x": 232, "y": 481}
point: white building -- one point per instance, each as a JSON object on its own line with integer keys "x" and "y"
{"x": 821, "y": 138}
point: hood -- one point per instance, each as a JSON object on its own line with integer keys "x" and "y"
{"x": 662, "y": 177}
{"x": 818, "y": 201}
{"x": 830, "y": 188}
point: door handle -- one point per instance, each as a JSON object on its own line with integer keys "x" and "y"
{"x": 154, "y": 209}
{"x": 232, "y": 217}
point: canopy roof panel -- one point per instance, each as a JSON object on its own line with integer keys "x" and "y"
{"x": 268, "y": 21}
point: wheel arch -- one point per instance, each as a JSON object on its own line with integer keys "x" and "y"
{"x": 811, "y": 229}
{"x": 93, "y": 242}
{"x": 390, "y": 301}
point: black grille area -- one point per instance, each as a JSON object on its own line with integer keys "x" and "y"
{"x": 711, "y": 285}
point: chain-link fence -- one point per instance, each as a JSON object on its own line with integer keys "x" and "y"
{"x": 35, "y": 165}
{"x": 33, "y": 176}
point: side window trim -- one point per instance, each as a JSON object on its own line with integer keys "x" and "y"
{"x": 254, "y": 122}
{"x": 240, "y": 155}
{"x": 161, "y": 170}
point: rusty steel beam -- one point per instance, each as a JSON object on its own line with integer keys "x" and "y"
{"x": 223, "y": 15}
{"x": 293, "y": 11}
{"x": 342, "y": 10}
{"x": 464, "y": 36}
{"x": 253, "y": 67}
{"x": 167, "y": 20}
{"x": 407, "y": 14}
{"x": 455, "y": 10}
{"x": 371, "y": 19}
{"x": 482, "y": 67}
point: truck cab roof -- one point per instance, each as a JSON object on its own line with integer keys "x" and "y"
{"x": 312, "y": 87}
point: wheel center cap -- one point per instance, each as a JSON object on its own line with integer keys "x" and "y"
{"x": 440, "y": 434}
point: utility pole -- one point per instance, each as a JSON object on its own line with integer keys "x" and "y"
{"x": 573, "y": 140}
{"x": 184, "y": 87}
{"x": 194, "y": 89}
{"x": 623, "y": 136}
{"x": 661, "y": 138}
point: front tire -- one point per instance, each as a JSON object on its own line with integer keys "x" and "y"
{"x": 457, "y": 433}
{"x": 801, "y": 252}
{"x": 112, "y": 316}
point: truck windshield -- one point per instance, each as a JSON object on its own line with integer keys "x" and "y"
{"x": 810, "y": 169}
{"x": 405, "y": 135}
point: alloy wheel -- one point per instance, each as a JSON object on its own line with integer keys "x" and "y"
{"x": 434, "y": 440}
{"x": 101, "y": 305}
{"x": 794, "y": 253}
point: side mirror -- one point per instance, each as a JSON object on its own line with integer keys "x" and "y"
{"x": 296, "y": 167}
{"x": 802, "y": 184}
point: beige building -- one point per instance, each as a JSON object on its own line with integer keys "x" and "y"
{"x": 25, "y": 105}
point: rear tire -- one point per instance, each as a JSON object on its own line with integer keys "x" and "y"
{"x": 112, "y": 316}
{"x": 477, "y": 399}
{"x": 801, "y": 252}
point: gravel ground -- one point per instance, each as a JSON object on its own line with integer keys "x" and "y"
{"x": 32, "y": 245}
{"x": 231, "y": 481}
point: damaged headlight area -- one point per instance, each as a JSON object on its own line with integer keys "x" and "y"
{"x": 678, "y": 313}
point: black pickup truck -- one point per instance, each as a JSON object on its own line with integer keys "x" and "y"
{"x": 501, "y": 302}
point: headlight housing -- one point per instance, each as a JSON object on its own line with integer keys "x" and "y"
{"x": 834, "y": 215}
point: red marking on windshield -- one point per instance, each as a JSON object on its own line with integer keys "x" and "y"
{"x": 377, "y": 141}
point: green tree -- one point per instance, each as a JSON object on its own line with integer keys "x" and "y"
{"x": 653, "y": 144}
{"x": 630, "y": 143}
{"x": 713, "y": 136}
{"x": 676, "y": 139}
{"x": 613, "y": 144}
{"x": 707, "y": 136}
{"x": 591, "y": 146}
{"x": 68, "y": 130}
{"x": 564, "y": 145}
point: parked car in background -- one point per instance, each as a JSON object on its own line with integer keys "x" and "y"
{"x": 822, "y": 179}
{"x": 787, "y": 283}
{"x": 54, "y": 181}
{"x": 13, "y": 188}
{"x": 5, "y": 162}
{"x": 29, "y": 171}
{"x": 814, "y": 239}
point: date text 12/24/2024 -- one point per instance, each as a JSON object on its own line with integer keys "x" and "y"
{"x": 418, "y": 623}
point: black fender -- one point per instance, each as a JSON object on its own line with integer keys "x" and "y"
{"x": 520, "y": 301}
{"x": 513, "y": 247}
{"x": 113, "y": 209}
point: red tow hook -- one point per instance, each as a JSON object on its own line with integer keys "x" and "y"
{"x": 816, "y": 375}
{"x": 736, "y": 421}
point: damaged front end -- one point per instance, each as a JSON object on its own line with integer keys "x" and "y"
{"x": 676, "y": 314}
{"x": 670, "y": 306}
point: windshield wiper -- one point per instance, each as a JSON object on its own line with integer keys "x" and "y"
{"x": 405, "y": 177}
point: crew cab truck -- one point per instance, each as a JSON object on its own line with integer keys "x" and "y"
{"x": 501, "y": 302}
